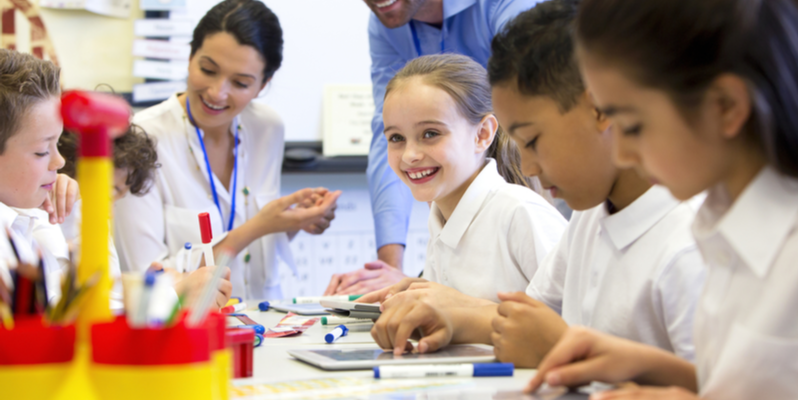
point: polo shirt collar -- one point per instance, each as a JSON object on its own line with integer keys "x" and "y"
{"x": 757, "y": 223}
{"x": 629, "y": 224}
{"x": 468, "y": 207}
{"x": 453, "y": 7}
{"x": 7, "y": 216}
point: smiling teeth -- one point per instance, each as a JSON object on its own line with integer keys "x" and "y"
{"x": 386, "y": 3}
{"x": 217, "y": 108}
{"x": 421, "y": 174}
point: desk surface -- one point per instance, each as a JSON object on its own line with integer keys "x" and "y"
{"x": 271, "y": 363}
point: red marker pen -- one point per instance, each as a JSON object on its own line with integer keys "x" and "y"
{"x": 205, "y": 234}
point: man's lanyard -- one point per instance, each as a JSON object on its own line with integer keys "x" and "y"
{"x": 417, "y": 44}
{"x": 208, "y": 167}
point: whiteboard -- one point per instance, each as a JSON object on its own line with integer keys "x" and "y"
{"x": 325, "y": 42}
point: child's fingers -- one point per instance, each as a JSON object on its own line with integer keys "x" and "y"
{"x": 374, "y": 296}
{"x": 562, "y": 353}
{"x": 61, "y": 198}
{"x": 519, "y": 297}
{"x": 499, "y": 324}
{"x": 379, "y": 330}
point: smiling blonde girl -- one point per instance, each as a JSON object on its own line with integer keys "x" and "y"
{"x": 487, "y": 235}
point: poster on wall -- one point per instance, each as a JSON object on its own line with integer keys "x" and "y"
{"x": 110, "y": 8}
{"x": 347, "y": 119}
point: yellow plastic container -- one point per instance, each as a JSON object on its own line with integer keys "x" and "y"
{"x": 35, "y": 359}
{"x": 151, "y": 364}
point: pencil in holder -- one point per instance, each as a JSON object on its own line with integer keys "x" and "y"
{"x": 34, "y": 358}
{"x": 241, "y": 342}
{"x": 151, "y": 363}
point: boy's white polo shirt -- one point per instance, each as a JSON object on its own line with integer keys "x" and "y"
{"x": 635, "y": 274}
{"x": 746, "y": 324}
{"x": 495, "y": 238}
{"x": 22, "y": 224}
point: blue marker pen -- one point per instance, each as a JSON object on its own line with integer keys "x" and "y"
{"x": 263, "y": 306}
{"x": 258, "y": 328}
{"x": 336, "y": 333}
{"x": 440, "y": 370}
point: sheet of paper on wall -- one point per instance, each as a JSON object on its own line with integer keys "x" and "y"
{"x": 110, "y": 8}
{"x": 163, "y": 27}
{"x": 161, "y": 5}
{"x": 347, "y": 120}
{"x": 155, "y": 91}
{"x": 161, "y": 49}
{"x": 166, "y": 70}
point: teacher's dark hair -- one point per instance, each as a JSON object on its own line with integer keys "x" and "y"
{"x": 251, "y": 23}
{"x": 682, "y": 46}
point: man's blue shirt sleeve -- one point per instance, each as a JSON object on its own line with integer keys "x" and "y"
{"x": 391, "y": 198}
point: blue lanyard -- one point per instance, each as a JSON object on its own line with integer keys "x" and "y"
{"x": 208, "y": 167}
{"x": 417, "y": 45}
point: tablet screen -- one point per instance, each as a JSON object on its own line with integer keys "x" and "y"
{"x": 378, "y": 354}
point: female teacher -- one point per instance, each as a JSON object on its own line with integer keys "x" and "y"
{"x": 221, "y": 153}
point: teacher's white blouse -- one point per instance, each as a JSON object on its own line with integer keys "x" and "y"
{"x": 156, "y": 226}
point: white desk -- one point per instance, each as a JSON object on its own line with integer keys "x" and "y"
{"x": 272, "y": 364}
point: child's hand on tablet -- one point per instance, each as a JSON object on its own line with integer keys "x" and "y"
{"x": 646, "y": 393}
{"x": 524, "y": 330}
{"x": 584, "y": 355}
{"x": 401, "y": 320}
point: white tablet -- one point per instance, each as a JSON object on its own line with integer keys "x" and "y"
{"x": 368, "y": 356}
{"x": 300, "y": 309}
{"x": 351, "y": 309}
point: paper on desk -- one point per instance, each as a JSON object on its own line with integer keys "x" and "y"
{"x": 292, "y": 324}
{"x": 345, "y": 388}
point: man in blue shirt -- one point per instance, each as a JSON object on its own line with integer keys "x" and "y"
{"x": 399, "y": 31}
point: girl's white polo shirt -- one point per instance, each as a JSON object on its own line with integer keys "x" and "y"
{"x": 746, "y": 325}
{"x": 495, "y": 238}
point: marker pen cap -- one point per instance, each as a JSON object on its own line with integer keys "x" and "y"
{"x": 187, "y": 246}
{"x": 258, "y": 340}
{"x": 258, "y": 328}
{"x": 149, "y": 279}
{"x": 494, "y": 369}
{"x": 205, "y": 227}
{"x": 263, "y": 306}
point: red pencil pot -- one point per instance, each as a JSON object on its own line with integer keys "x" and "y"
{"x": 220, "y": 355}
{"x": 34, "y": 358}
{"x": 151, "y": 363}
{"x": 241, "y": 342}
